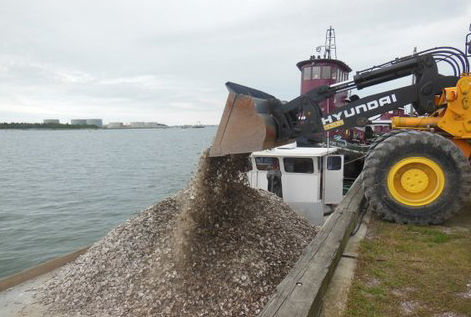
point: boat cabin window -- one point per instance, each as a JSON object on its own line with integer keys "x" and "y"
{"x": 263, "y": 163}
{"x": 334, "y": 73}
{"x": 316, "y": 72}
{"x": 298, "y": 165}
{"x": 334, "y": 163}
{"x": 326, "y": 72}
{"x": 307, "y": 73}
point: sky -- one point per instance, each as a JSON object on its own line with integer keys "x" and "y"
{"x": 167, "y": 61}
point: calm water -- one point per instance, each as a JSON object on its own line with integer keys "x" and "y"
{"x": 62, "y": 190}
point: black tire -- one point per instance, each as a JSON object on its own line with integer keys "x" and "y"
{"x": 381, "y": 138}
{"x": 406, "y": 144}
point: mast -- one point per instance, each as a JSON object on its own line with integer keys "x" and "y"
{"x": 330, "y": 48}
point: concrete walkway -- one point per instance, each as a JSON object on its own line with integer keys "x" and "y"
{"x": 335, "y": 300}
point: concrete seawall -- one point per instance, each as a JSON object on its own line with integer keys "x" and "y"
{"x": 302, "y": 291}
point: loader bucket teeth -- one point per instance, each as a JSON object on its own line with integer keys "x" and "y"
{"x": 246, "y": 124}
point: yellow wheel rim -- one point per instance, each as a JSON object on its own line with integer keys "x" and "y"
{"x": 416, "y": 181}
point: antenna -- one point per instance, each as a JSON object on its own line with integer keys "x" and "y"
{"x": 330, "y": 49}
{"x": 330, "y": 44}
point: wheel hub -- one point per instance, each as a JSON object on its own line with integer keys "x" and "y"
{"x": 416, "y": 181}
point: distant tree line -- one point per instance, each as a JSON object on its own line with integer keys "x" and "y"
{"x": 21, "y": 125}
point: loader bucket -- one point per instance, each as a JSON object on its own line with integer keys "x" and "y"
{"x": 246, "y": 124}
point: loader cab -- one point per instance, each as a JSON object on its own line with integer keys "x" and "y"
{"x": 311, "y": 178}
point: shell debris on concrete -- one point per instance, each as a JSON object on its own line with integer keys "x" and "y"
{"x": 216, "y": 248}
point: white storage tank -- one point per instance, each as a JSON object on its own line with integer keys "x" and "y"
{"x": 137, "y": 125}
{"x": 151, "y": 124}
{"x": 78, "y": 122}
{"x": 115, "y": 125}
{"x": 97, "y": 122}
{"x": 49, "y": 121}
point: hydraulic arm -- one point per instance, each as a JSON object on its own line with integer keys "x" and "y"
{"x": 254, "y": 120}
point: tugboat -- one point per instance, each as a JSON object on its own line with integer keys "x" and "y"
{"x": 322, "y": 70}
{"x": 325, "y": 69}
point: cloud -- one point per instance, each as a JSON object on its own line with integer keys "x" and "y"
{"x": 149, "y": 82}
{"x": 129, "y": 61}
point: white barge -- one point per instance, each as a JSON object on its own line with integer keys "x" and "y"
{"x": 311, "y": 178}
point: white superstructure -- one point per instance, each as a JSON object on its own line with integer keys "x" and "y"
{"x": 312, "y": 178}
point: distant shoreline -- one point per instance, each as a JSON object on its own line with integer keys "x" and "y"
{"x": 44, "y": 126}
{"x": 55, "y": 126}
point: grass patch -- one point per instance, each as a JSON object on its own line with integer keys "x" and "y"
{"x": 412, "y": 270}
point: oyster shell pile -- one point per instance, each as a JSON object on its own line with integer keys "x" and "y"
{"x": 217, "y": 248}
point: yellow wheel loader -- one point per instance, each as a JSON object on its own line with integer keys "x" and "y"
{"x": 419, "y": 172}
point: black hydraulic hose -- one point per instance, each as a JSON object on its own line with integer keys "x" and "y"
{"x": 453, "y": 57}
{"x": 448, "y": 57}
{"x": 458, "y": 54}
{"x": 462, "y": 57}
{"x": 387, "y": 64}
{"x": 455, "y": 66}
{"x": 451, "y": 50}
